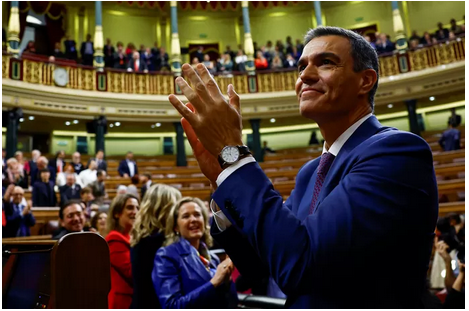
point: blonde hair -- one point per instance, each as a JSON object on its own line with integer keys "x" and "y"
{"x": 171, "y": 236}
{"x": 117, "y": 206}
{"x": 154, "y": 210}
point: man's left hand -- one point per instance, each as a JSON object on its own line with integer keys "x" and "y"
{"x": 216, "y": 121}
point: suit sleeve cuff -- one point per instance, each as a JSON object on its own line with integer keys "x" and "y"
{"x": 232, "y": 168}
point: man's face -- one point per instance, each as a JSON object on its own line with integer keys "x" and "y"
{"x": 70, "y": 180}
{"x": 17, "y": 195}
{"x": 45, "y": 176}
{"x": 61, "y": 155}
{"x": 74, "y": 218}
{"x": 102, "y": 177}
{"x": 130, "y": 156}
{"x": 76, "y": 158}
{"x": 327, "y": 83}
{"x": 99, "y": 155}
{"x": 87, "y": 197}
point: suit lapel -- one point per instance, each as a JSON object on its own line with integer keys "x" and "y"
{"x": 370, "y": 127}
{"x": 193, "y": 262}
{"x": 303, "y": 210}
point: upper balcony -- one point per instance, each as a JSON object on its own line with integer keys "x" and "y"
{"x": 35, "y": 85}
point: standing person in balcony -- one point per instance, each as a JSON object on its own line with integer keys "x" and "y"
{"x": 120, "y": 58}
{"x": 136, "y": 64}
{"x": 120, "y": 219}
{"x": 261, "y": 62}
{"x": 240, "y": 61}
{"x": 348, "y": 213}
{"x": 57, "y": 52}
{"x": 148, "y": 59}
{"x": 70, "y": 48}
{"x": 108, "y": 51}
{"x": 441, "y": 33}
{"x": 87, "y": 51}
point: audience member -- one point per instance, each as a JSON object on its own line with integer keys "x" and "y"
{"x": 148, "y": 58}
{"x": 240, "y": 61}
{"x": 30, "y": 48}
{"x": 368, "y": 39}
{"x": 136, "y": 64}
{"x": 451, "y": 138}
{"x": 426, "y": 39}
{"x": 70, "y": 48}
{"x": 128, "y": 167}
{"x": 35, "y": 154}
{"x": 58, "y": 163}
{"x": 209, "y": 64}
{"x": 225, "y": 64}
{"x": 185, "y": 273}
{"x": 299, "y": 46}
{"x": 72, "y": 219}
{"x": 70, "y": 190}
{"x": 23, "y": 165}
{"x": 87, "y": 198}
{"x": 121, "y": 189}
{"x": 76, "y": 162}
{"x": 98, "y": 188}
{"x": 87, "y": 51}
{"x": 100, "y": 162}
{"x": 41, "y": 163}
{"x": 383, "y": 44}
{"x": 277, "y": 62}
{"x": 43, "y": 190}
{"x": 455, "y": 28}
{"x": 414, "y": 36}
{"x": 261, "y": 62}
{"x": 62, "y": 177}
{"x": 129, "y": 50}
{"x": 230, "y": 52}
{"x": 455, "y": 118}
{"x": 108, "y": 51}
{"x": 15, "y": 174}
{"x": 162, "y": 61}
{"x": 19, "y": 217}
{"x": 145, "y": 179}
{"x": 289, "y": 46}
{"x": 146, "y": 237}
{"x": 132, "y": 188}
{"x": 155, "y": 51}
{"x": 267, "y": 149}
{"x": 120, "y": 58}
{"x": 121, "y": 217}
{"x": 441, "y": 33}
{"x": 98, "y": 223}
{"x": 290, "y": 62}
{"x": 200, "y": 54}
{"x": 194, "y": 62}
{"x": 89, "y": 175}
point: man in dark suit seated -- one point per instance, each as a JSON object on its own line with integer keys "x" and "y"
{"x": 70, "y": 190}
{"x": 451, "y": 138}
{"x": 18, "y": 215}
{"x": 146, "y": 183}
{"x": 338, "y": 240}
{"x": 72, "y": 219}
{"x": 127, "y": 167}
{"x": 87, "y": 51}
{"x": 99, "y": 188}
{"x": 136, "y": 64}
{"x": 43, "y": 191}
{"x": 99, "y": 159}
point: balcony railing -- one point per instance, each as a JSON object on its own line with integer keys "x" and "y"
{"x": 36, "y": 69}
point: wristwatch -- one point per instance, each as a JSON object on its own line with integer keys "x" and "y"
{"x": 232, "y": 154}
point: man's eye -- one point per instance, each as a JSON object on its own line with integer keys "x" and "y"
{"x": 301, "y": 68}
{"x": 327, "y": 62}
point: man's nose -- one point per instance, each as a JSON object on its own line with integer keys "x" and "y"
{"x": 310, "y": 74}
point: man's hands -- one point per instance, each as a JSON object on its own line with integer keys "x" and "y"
{"x": 442, "y": 249}
{"x": 215, "y": 121}
{"x": 27, "y": 208}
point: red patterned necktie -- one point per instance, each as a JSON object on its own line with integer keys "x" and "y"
{"x": 324, "y": 165}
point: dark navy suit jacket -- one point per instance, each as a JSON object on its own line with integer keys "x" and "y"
{"x": 44, "y": 194}
{"x": 451, "y": 140}
{"x": 15, "y": 220}
{"x": 124, "y": 168}
{"x": 181, "y": 280}
{"x": 368, "y": 243}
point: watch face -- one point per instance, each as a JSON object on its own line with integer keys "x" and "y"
{"x": 230, "y": 154}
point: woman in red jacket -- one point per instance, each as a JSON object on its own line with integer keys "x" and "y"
{"x": 121, "y": 217}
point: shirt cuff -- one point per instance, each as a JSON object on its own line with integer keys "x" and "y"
{"x": 221, "y": 220}
{"x": 232, "y": 168}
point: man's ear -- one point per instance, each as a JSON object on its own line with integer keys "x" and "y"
{"x": 369, "y": 77}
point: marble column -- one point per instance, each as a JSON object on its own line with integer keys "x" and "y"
{"x": 256, "y": 140}
{"x": 98, "y": 37}
{"x": 14, "y": 29}
{"x": 412, "y": 115}
{"x": 14, "y": 116}
{"x": 248, "y": 45}
{"x": 101, "y": 124}
{"x": 401, "y": 41}
{"x": 317, "y": 12}
{"x": 175, "y": 45}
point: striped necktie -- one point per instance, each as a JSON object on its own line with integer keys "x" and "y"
{"x": 324, "y": 166}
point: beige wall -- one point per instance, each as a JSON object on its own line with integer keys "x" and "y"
{"x": 424, "y": 15}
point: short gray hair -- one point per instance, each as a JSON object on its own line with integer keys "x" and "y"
{"x": 363, "y": 54}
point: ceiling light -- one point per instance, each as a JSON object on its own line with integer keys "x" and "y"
{"x": 432, "y": 98}
{"x": 390, "y": 105}
{"x": 21, "y": 119}
{"x": 158, "y": 124}
{"x": 75, "y": 121}
{"x": 117, "y": 124}
{"x": 67, "y": 123}
{"x": 272, "y": 120}
{"x": 152, "y": 126}
{"x": 31, "y": 118}
{"x": 111, "y": 125}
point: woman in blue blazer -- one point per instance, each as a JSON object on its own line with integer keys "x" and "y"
{"x": 186, "y": 274}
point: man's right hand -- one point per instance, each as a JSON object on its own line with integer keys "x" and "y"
{"x": 27, "y": 209}
{"x": 223, "y": 273}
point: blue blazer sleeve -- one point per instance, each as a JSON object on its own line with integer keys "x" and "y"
{"x": 29, "y": 220}
{"x": 122, "y": 168}
{"x": 370, "y": 204}
{"x": 167, "y": 281}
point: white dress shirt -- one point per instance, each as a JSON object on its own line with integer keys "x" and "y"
{"x": 131, "y": 165}
{"x": 87, "y": 177}
{"x": 222, "y": 221}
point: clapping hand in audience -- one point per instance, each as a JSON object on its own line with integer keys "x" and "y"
{"x": 223, "y": 273}
{"x": 442, "y": 249}
{"x": 27, "y": 208}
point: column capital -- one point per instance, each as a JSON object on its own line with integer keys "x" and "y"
{"x": 173, "y": 3}
{"x": 244, "y": 4}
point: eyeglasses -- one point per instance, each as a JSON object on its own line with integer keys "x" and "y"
{"x": 71, "y": 215}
